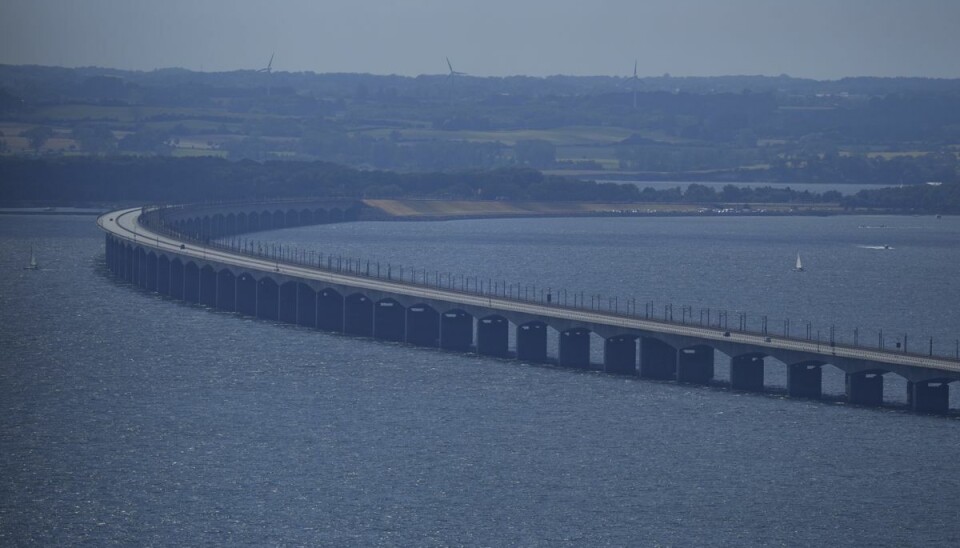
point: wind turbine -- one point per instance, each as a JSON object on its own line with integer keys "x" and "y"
{"x": 453, "y": 73}
{"x": 267, "y": 70}
{"x": 269, "y": 66}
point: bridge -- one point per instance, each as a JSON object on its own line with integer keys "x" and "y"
{"x": 196, "y": 254}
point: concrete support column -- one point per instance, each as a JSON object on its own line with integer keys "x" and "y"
{"x": 358, "y": 315}
{"x": 746, "y": 373}
{"x": 176, "y": 279}
{"x": 620, "y": 355}
{"x": 108, "y": 252}
{"x": 929, "y": 397}
{"x": 208, "y": 286}
{"x": 191, "y": 283}
{"x": 804, "y": 380}
{"x": 423, "y": 326}
{"x": 306, "y": 305}
{"x": 389, "y": 321}
{"x": 163, "y": 275}
{"x": 493, "y": 334}
{"x": 151, "y": 272}
{"x": 226, "y": 291}
{"x": 141, "y": 267}
{"x": 658, "y": 360}
{"x": 865, "y": 388}
{"x": 695, "y": 365}
{"x": 127, "y": 263}
{"x": 456, "y": 331}
{"x": 246, "y": 296}
{"x": 268, "y": 299}
{"x": 532, "y": 342}
{"x": 575, "y": 348}
{"x": 287, "y": 305}
{"x": 329, "y": 311}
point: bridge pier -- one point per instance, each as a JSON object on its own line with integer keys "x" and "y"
{"x": 208, "y": 286}
{"x": 268, "y": 299}
{"x": 423, "y": 326}
{"x": 128, "y": 263}
{"x": 191, "y": 283}
{"x": 287, "y": 305}
{"x": 151, "y": 272}
{"x": 456, "y": 330}
{"x": 176, "y": 279}
{"x": 865, "y": 388}
{"x": 746, "y": 372}
{"x": 141, "y": 267}
{"x": 695, "y": 365}
{"x": 493, "y": 334}
{"x": 330, "y": 310}
{"x": 389, "y": 321}
{"x": 358, "y": 315}
{"x": 532, "y": 342}
{"x": 804, "y": 380}
{"x": 226, "y": 291}
{"x": 306, "y": 305}
{"x": 108, "y": 252}
{"x": 658, "y": 360}
{"x": 929, "y": 397}
{"x": 246, "y": 299}
{"x": 620, "y": 355}
{"x": 574, "y": 348}
{"x": 163, "y": 275}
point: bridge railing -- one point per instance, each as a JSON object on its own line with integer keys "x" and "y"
{"x": 154, "y": 217}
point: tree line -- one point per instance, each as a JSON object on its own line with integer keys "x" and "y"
{"x": 120, "y": 179}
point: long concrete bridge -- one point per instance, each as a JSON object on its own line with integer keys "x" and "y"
{"x": 192, "y": 253}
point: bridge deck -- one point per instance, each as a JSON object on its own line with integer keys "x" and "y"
{"x": 124, "y": 224}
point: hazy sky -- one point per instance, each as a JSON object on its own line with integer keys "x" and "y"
{"x": 807, "y": 38}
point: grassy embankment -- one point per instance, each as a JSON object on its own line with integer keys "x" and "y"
{"x": 453, "y": 209}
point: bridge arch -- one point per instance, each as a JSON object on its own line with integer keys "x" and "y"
{"x": 226, "y": 290}
{"x": 358, "y": 315}
{"x": 292, "y": 218}
{"x": 306, "y": 217}
{"x": 268, "y": 299}
{"x": 330, "y": 310}
{"x": 390, "y": 320}
{"x": 208, "y": 286}
{"x": 246, "y": 300}
{"x": 176, "y": 278}
{"x": 287, "y": 302}
{"x": 532, "y": 341}
{"x": 574, "y": 348}
{"x": 493, "y": 336}
{"x": 456, "y": 330}
{"x": 423, "y": 325}
{"x": 620, "y": 354}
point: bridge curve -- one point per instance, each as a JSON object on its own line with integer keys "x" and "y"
{"x": 180, "y": 252}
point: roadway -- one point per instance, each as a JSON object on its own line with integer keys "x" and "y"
{"x": 123, "y": 223}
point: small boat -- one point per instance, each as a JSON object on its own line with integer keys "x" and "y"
{"x": 799, "y": 267}
{"x": 32, "y": 265}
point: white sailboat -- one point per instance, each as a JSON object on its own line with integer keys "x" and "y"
{"x": 32, "y": 265}
{"x": 799, "y": 267}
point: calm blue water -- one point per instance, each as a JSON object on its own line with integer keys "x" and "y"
{"x": 131, "y": 419}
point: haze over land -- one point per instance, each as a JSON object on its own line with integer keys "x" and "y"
{"x": 822, "y": 39}
{"x": 346, "y": 87}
